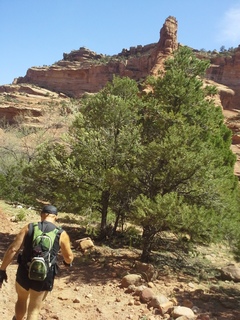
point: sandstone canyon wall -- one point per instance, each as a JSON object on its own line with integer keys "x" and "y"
{"x": 226, "y": 70}
{"x": 85, "y": 71}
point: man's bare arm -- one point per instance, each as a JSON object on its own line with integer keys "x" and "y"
{"x": 65, "y": 246}
{"x": 14, "y": 247}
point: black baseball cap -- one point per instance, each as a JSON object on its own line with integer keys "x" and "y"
{"x": 49, "y": 209}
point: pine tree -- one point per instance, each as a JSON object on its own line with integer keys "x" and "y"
{"x": 185, "y": 172}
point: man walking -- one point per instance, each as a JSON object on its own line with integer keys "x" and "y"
{"x": 31, "y": 293}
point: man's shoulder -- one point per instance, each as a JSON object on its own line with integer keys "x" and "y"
{"x": 64, "y": 235}
{"x": 44, "y": 225}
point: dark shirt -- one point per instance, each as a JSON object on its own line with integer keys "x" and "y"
{"x": 25, "y": 257}
{"x": 45, "y": 226}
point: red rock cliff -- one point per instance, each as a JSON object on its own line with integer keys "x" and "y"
{"x": 226, "y": 70}
{"x": 85, "y": 71}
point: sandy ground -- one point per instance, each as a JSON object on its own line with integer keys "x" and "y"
{"x": 90, "y": 289}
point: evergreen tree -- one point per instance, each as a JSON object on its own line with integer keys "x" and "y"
{"x": 185, "y": 172}
{"x": 164, "y": 156}
{"x": 92, "y": 168}
{"x": 104, "y": 140}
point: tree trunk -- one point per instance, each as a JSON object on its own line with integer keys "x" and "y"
{"x": 116, "y": 222}
{"x": 147, "y": 240}
{"x": 105, "y": 203}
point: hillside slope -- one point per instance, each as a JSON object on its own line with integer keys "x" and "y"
{"x": 43, "y": 96}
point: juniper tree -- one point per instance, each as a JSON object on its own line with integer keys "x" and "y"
{"x": 164, "y": 156}
{"x": 185, "y": 172}
{"x": 91, "y": 170}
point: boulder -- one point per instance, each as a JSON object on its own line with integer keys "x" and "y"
{"x": 84, "y": 244}
{"x": 146, "y": 295}
{"x": 159, "y": 300}
{"x": 230, "y": 272}
{"x": 147, "y": 270}
{"x": 180, "y": 311}
{"x": 131, "y": 279}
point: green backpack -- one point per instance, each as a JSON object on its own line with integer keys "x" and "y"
{"x": 41, "y": 253}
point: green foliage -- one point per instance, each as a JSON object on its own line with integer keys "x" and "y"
{"x": 11, "y": 182}
{"x": 91, "y": 168}
{"x": 187, "y": 181}
{"x": 12, "y": 162}
{"x": 49, "y": 176}
{"x": 132, "y": 236}
{"x": 161, "y": 159}
{"x": 222, "y": 49}
{"x": 21, "y": 216}
{"x": 18, "y": 148}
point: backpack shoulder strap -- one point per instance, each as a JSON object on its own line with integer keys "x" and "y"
{"x": 30, "y": 229}
{"x": 36, "y": 230}
{"x": 53, "y": 234}
{"x": 56, "y": 230}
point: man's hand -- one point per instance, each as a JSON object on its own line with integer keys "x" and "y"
{"x": 68, "y": 265}
{"x": 3, "y": 277}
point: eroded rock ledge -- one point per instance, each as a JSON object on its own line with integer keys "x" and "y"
{"x": 83, "y": 70}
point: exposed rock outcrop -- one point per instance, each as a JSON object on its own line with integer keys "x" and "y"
{"x": 31, "y": 103}
{"x": 230, "y": 272}
{"x": 168, "y": 36}
{"x": 225, "y": 69}
{"x": 10, "y": 113}
{"x": 166, "y": 45}
{"x": 83, "y": 70}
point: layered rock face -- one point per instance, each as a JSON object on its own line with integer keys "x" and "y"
{"x": 28, "y": 103}
{"x": 85, "y": 71}
{"x": 226, "y": 71}
{"x": 84, "y": 74}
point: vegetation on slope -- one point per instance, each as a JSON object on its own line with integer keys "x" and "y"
{"x": 155, "y": 154}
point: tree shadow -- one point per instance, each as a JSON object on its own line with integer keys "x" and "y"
{"x": 98, "y": 267}
{"x": 6, "y": 240}
{"x": 221, "y": 303}
{"x": 74, "y": 232}
{"x": 105, "y": 262}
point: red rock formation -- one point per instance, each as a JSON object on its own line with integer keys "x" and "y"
{"x": 226, "y": 70}
{"x": 85, "y": 71}
{"x": 168, "y": 36}
{"x": 27, "y": 102}
{"x": 11, "y": 112}
{"x": 167, "y": 44}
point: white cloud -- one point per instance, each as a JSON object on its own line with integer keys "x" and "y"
{"x": 229, "y": 27}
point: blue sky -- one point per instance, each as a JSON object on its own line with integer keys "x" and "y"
{"x": 37, "y": 33}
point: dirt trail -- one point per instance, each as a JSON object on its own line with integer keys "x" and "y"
{"x": 90, "y": 289}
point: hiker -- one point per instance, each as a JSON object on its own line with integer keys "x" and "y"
{"x": 35, "y": 290}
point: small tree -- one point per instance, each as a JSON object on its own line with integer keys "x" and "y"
{"x": 185, "y": 172}
{"x": 104, "y": 140}
{"x": 94, "y": 161}
{"x": 163, "y": 155}
{"x": 222, "y": 49}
